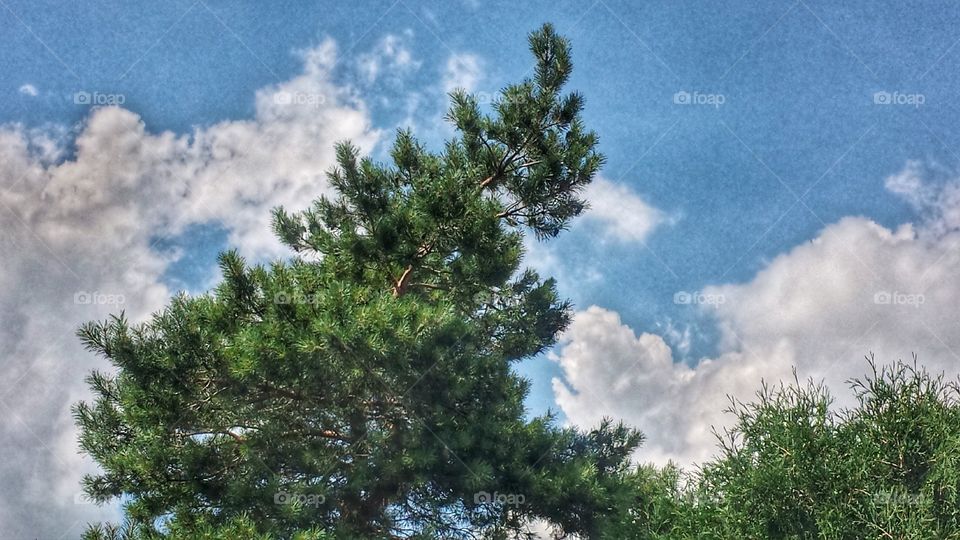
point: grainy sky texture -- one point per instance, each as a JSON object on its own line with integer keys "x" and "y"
{"x": 782, "y": 189}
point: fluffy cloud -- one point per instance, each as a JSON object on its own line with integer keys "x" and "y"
{"x": 940, "y": 199}
{"x": 856, "y": 288}
{"x": 616, "y": 214}
{"x": 463, "y": 70}
{"x": 390, "y": 57}
{"x": 621, "y": 214}
{"x": 29, "y": 90}
{"x": 77, "y": 227}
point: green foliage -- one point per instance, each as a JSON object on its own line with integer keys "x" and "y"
{"x": 239, "y": 527}
{"x": 792, "y": 467}
{"x": 364, "y": 389}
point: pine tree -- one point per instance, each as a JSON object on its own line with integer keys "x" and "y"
{"x": 365, "y": 387}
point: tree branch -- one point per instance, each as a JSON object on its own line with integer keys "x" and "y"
{"x": 400, "y": 286}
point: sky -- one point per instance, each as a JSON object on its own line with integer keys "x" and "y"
{"x": 781, "y": 192}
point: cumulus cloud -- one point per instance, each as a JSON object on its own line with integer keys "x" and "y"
{"x": 391, "y": 57}
{"x": 29, "y": 90}
{"x": 938, "y": 198}
{"x": 77, "y": 227}
{"x": 463, "y": 70}
{"x": 858, "y": 287}
{"x": 620, "y": 213}
{"x": 616, "y": 214}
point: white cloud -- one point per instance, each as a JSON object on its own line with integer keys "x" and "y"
{"x": 391, "y": 57}
{"x": 76, "y": 230}
{"x": 425, "y": 110}
{"x": 939, "y": 199}
{"x": 858, "y": 287}
{"x": 617, "y": 214}
{"x": 29, "y": 90}
{"x": 620, "y": 213}
{"x": 463, "y": 70}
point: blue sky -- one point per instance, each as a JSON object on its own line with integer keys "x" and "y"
{"x": 791, "y": 138}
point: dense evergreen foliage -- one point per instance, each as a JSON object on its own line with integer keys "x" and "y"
{"x": 364, "y": 389}
{"x": 794, "y": 467}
